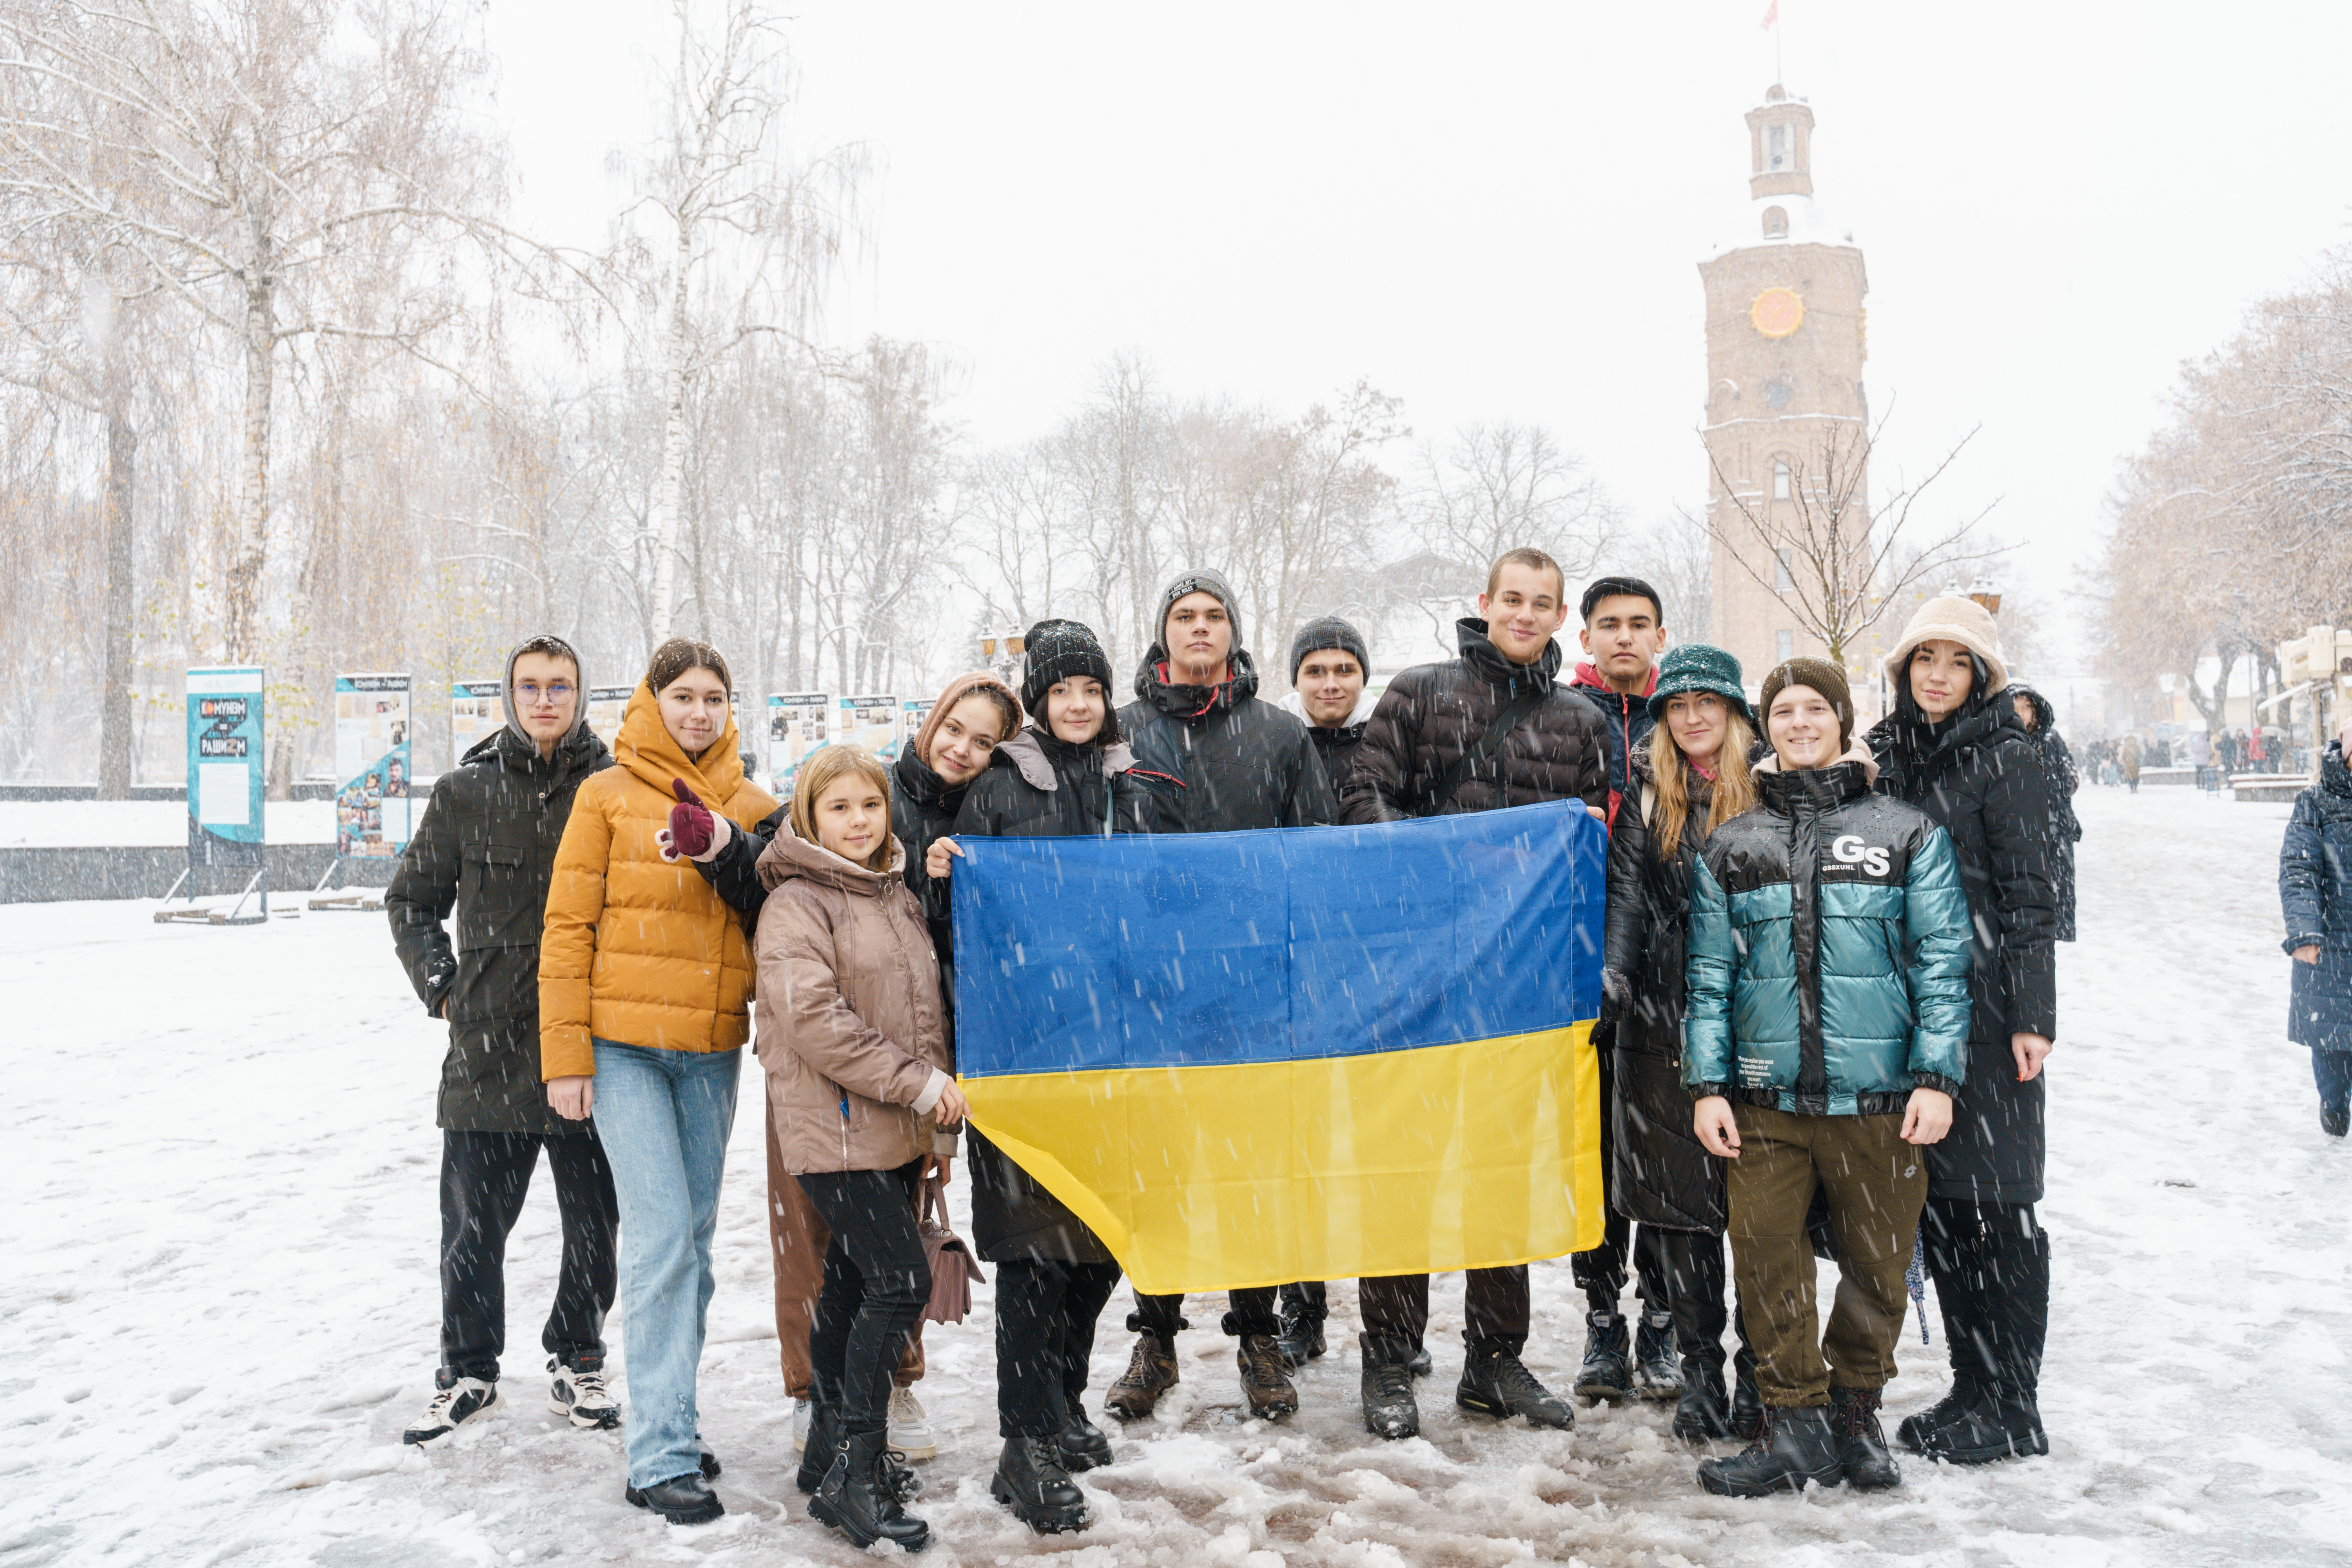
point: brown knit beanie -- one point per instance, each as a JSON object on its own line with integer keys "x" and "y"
{"x": 1820, "y": 676}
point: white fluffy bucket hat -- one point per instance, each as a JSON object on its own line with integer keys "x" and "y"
{"x": 1952, "y": 617}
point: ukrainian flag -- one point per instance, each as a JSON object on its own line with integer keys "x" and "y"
{"x": 1321, "y": 1053}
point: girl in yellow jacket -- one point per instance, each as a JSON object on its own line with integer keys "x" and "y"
{"x": 644, "y": 991}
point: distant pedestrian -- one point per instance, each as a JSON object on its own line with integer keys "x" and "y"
{"x": 2131, "y": 763}
{"x": 2316, "y": 895}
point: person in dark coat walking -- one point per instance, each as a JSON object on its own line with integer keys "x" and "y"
{"x": 948, "y": 751}
{"x": 485, "y": 847}
{"x": 2041, "y": 722}
{"x": 1954, "y": 747}
{"x": 1330, "y": 669}
{"x": 2315, "y": 896}
{"x": 1493, "y": 727}
{"x": 1068, "y": 776}
{"x": 1690, "y": 776}
{"x": 1234, "y": 764}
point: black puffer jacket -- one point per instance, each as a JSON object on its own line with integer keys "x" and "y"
{"x": 1037, "y": 787}
{"x": 1434, "y": 713}
{"x": 1980, "y": 777}
{"x": 486, "y": 846}
{"x": 2065, "y": 827}
{"x": 1659, "y": 1172}
{"x": 1239, "y": 763}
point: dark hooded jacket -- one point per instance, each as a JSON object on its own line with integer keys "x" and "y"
{"x": 1981, "y": 777}
{"x": 2065, "y": 827}
{"x": 1336, "y": 744}
{"x": 1230, "y": 762}
{"x": 2315, "y": 897}
{"x": 1659, "y": 1171}
{"x": 1038, "y": 786}
{"x": 485, "y": 847}
{"x": 1625, "y": 721}
{"x": 1432, "y": 714}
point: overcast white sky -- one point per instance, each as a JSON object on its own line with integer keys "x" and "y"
{"x": 1496, "y": 210}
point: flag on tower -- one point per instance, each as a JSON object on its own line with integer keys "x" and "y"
{"x": 1771, "y": 15}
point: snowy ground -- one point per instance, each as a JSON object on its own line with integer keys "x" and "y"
{"x": 216, "y": 1208}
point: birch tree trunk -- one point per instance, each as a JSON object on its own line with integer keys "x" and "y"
{"x": 670, "y": 497}
{"x": 250, "y": 551}
{"x": 114, "y": 708}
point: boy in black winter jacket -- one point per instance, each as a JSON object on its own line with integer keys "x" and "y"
{"x": 485, "y": 847}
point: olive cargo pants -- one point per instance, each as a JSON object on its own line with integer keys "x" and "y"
{"x": 1875, "y": 1185}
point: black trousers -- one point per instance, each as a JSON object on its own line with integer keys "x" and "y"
{"x": 1306, "y": 1298}
{"x": 484, "y": 1179}
{"x": 877, "y": 1282}
{"x": 1394, "y": 1310}
{"x": 1990, "y": 1263}
{"x": 1045, "y": 1313}
{"x": 1694, "y": 1274}
{"x": 1246, "y": 1313}
{"x": 1600, "y": 1273}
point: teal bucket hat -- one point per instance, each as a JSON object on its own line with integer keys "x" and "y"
{"x": 1697, "y": 666}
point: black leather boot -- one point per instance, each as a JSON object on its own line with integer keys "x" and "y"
{"x": 1030, "y": 1481}
{"x": 1608, "y": 1369}
{"x": 1496, "y": 1382}
{"x": 1301, "y": 1339}
{"x": 860, "y": 1497}
{"x": 1083, "y": 1445}
{"x": 1391, "y": 1410}
{"x": 1656, "y": 1373}
{"x": 1992, "y": 1282}
{"x": 681, "y": 1499}
{"x": 824, "y": 1445}
{"x": 1704, "y": 1412}
{"x": 1796, "y": 1445}
{"x": 1862, "y": 1443}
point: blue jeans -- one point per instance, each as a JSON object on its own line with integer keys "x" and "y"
{"x": 2333, "y": 1070}
{"x": 663, "y": 1118}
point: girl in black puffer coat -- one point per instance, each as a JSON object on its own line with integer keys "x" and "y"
{"x": 1955, "y": 748}
{"x": 1068, "y": 775}
{"x": 1689, "y": 773}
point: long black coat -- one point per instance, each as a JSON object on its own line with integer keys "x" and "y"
{"x": 1434, "y": 713}
{"x": 2315, "y": 897}
{"x": 2065, "y": 827}
{"x": 1980, "y": 777}
{"x": 1659, "y": 1172}
{"x": 1241, "y": 764}
{"x": 486, "y": 845}
{"x": 1036, "y": 786}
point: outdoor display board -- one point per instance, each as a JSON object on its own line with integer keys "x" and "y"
{"x": 911, "y": 714}
{"x": 227, "y": 767}
{"x": 371, "y": 757}
{"x": 606, "y": 704}
{"x": 475, "y": 710}
{"x": 796, "y": 726}
{"x": 869, "y": 721}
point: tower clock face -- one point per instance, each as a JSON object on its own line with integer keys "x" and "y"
{"x": 1777, "y": 313}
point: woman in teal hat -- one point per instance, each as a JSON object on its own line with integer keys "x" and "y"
{"x": 1691, "y": 778}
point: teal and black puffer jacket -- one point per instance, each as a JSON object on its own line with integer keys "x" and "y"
{"x": 1828, "y": 956}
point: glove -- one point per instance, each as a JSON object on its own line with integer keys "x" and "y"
{"x": 691, "y": 825}
{"x": 1616, "y": 994}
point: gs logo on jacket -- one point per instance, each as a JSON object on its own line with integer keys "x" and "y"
{"x": 1828, "y": 957}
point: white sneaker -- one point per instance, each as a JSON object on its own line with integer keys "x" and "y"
{"x": 451, "y": 1408}
{"x": 799, "y": 1425}
{"x": 910, "y": 1429}
{"x": 582, "y": 1397}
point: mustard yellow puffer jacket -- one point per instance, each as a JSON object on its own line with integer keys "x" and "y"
{"x": 637, "y": 949}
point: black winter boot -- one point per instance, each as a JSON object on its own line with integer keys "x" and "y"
{"x": 1608, "y": 1370}
{"x": 1794, "y": 1446}
{"x": 824, "y": 1445}
{"x": 1149, "y": 1374}
{"x": 1656, "y": 1375}
{"x": 1391, "y": 1410}
{"x": 1992, "y": 1282}
{"x": 860, "y": 1497}
{"x": 1420, "y": 1365}
{"x": 1704, "y": 1413}
{"x": 2335, "y": 1123}
{"x": 1083, "y": 1445}
{"x": 1301, "y": 1340}
{"x": 1030, "y": 1481}
{"x": 1862, "y": 1443}
{"x": 681, "y": 1499}
{"x": 1746, "y": 1404}
{"x": 1496, "y": 1382}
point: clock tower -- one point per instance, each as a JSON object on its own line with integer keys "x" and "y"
{"x": 1785, "y": 404}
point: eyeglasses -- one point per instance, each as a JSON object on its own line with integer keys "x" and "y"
{"x": 557, "y": 691}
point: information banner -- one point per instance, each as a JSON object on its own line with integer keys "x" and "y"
{"x": 606, "y": 704}
{"x": 870, "y": 722}
{"x": 227, "y": 767}
{"x": 475, "y": 711}
{"x": 911, "y": 714}
{"x": 371, "y": 760}
{"x": 796, "y": 726}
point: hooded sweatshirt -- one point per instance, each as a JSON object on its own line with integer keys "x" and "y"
{"x": 1336, "y": 744}
{"x": 637, "y": 949}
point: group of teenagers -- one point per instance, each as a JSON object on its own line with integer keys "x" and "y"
{"x": 1828, "y": 991}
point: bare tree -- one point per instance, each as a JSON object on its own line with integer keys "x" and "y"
{"x": 1837, "y": 562}
{"x": 747, "y": 240}
{"x": 1675, "y": 558}
{"x": 1500, "y": 485}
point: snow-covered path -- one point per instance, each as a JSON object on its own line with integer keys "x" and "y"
{"x": 218, "y": 1305}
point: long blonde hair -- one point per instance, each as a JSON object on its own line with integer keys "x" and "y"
{"x": 817, "y": 774}
{"x": 1735, "y": 786}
